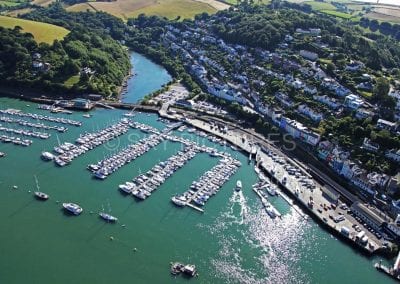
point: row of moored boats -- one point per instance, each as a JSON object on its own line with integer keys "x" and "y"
{"x": 208, "y": 184}
{"x": 15, "y": 140}
{"x": 23, "y": 132}
{"x": 26, "y": 123}
{"x": 19, "y": 113}
{"x": 143, "y": 185}
{"x": 67, "y": 151}
{"x": 107, "y": 166}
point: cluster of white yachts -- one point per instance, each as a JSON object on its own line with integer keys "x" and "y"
{"x": 67, "y": 152}
{"x": 208, "y": 184}
{"x": 15, "y": 140}
{"x": 143, "y": 185}
{"x": 23, "y": 122}
{"x": 23, "y": 132}
{"x": 107, "y": 166}
{"x": 19, "y": 113}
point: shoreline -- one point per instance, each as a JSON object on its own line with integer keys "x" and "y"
{"x": 331, "y": 228}
{"x": 249, "y": 136}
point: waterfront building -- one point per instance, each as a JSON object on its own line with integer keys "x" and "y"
{"x": 368, "y": 216}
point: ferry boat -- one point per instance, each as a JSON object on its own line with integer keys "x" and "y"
{"x": 108, "y": 217}
{"x": 238, "y": 186}
{"x": 41, "y": 195}
{"x": 73, "y": 208}
{"x": 47, "y": 156}
{"x": 179, "y": 200}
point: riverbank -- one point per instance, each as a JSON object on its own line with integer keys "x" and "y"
{"x": 262, "y": 246}
{"x": 247, "y": 142}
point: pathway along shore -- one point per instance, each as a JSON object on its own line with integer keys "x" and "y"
{"x": 248, "y": 141}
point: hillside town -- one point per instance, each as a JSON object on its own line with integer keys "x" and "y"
{"x": 304, "y": 92}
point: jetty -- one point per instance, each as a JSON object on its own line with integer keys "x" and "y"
{"x": 208, "y": 184}
{"x": 145, "y": 184}
{"x": 393, "y": 272}
{"x": 107, "y": 166}
{"x": 26, "y": 123}
{"x": 67, "y": 151}
{"x": 19, "y": 113}
{"x": 319, "y": 200}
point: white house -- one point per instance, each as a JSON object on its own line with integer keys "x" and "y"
{"x": 352, "y": 101}
{"x": 385, "y": 124}
{"x": 393, "y": 154}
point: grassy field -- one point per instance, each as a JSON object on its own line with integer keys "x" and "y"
{"x": 173, "y": 8}
{"x": 165, "y": 8}
{"x": 42, "y": 32}
{"x": 337, "y": 14}
{"x": 72, "y": 80}
{"x": 43, "y": 3}
{"x": 319, "y": 6}
{"x": 382, "y": 17}
{"x": 16, "y": 13}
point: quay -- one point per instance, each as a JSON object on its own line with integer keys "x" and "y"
{"x": 315, "y": 198}
{"x": 320, "y": 199}
{"x": 393, "y": 272}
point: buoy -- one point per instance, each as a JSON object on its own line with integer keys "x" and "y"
{"x": 29, "y": 191}
{"x": 91, "y": 212}
{"x": 134, "y": 249}
{"x": 57, "y": 201}
{"x": 123, "y": 225}
{"x": 15, "y": 187}
{"x": 111, "y": 238}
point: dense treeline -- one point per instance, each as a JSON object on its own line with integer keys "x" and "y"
{"x": 87, "y": 60}
{"x": 99, "y": 22}
{"x": 257, "y": 26}
{"x": 20, "y": 62}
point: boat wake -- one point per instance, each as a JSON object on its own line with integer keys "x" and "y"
{"x": 274, "y": 245}
{"x": 238, "y": 199}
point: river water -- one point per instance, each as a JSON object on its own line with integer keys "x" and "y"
{"x": 234, "y": 241}
{"x": 147, "y": 78}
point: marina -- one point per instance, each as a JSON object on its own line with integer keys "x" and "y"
{"x": 19, "y": 113}
{"x": 149, "y": 234}
{"x": 15, "y": 140}
{"x": 87, "y": 141}
{"x": 23, "y": 122}
{"x": 145, "y": 184}
{"x": 23, "y": 132}
{"x": 208, "y": 184}
{"x": 107, "y": 166}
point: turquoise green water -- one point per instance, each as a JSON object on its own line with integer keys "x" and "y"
{"x": 149, "y": 77}
{"x": 234, "y": 241}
